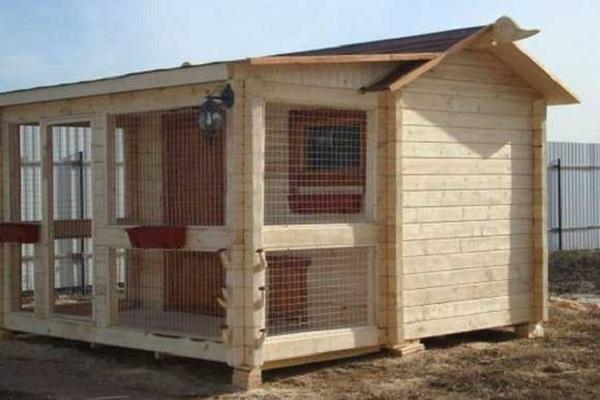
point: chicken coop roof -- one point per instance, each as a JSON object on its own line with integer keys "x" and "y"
{"x": 415, "y": 55}
{"x": 425, "y": 43}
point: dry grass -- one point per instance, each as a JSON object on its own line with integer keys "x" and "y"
{"x": 478, "y": 365}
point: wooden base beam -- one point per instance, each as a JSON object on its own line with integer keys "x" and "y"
{"x": 529, "y": 330}
{"x": 246, "y": 378}
{"x": 407, "y": 348}
{"x": 321, "y": 357}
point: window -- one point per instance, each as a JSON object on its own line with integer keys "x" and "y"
{"x": 327, "y": 161}
{"x": 332, "y": 147}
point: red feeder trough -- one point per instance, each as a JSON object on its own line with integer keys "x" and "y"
{"x": 19, "y": 232}
{"x": 157, "y": 237}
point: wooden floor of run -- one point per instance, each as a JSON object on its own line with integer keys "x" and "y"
{"x": 486, "y": 364}
{"x": 170, "y": 322}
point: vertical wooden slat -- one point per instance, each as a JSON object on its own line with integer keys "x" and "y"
{"x": 540, "y": 231}
{"x": 5, "y": 278}
{"x": 12, "y": 144}
{"x": 44, "y": 277}
{"x": 104, "y": 283}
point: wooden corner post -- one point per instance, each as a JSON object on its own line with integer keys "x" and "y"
{"x": 539, "y": 280}
{"x": 389, "y": 214}
{"x": 245, "y": 279}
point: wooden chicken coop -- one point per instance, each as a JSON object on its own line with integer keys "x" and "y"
{"x": 286, "y": 209}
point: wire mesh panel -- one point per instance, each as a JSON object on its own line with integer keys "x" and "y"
{"x": 315, "y": 165}
{"x": 71, "y": 176}
{"x": 73, "y": 269}
{"x": 173, "y": 292}
{"x": 25, "y": 199}
{"x": 167, "y": 172}
{"x": 311, "y": 290}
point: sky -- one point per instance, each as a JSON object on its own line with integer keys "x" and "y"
{"x": 49, "y": 42}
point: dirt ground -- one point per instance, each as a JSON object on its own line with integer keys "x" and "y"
{"x": 488, "y": 364}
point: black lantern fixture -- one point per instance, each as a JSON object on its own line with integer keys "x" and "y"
{"x": 211, "y": 116}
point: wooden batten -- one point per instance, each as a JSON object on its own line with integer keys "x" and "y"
{"x": 338, "y": 59}
{"x": 44, "y": 278}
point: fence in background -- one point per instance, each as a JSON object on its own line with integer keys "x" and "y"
{"x": 573, "y": 196}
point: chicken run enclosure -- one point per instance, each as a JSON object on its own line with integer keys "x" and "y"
{"x": 285, "y": 209}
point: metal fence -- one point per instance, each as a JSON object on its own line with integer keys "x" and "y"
{"x": 573, "y": 196}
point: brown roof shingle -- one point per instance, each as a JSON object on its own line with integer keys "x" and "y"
{"x": 430, "y": 42}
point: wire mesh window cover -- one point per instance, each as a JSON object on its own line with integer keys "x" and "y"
{"x": 167, "y": 172}
{"x": 312, "y": 290}
{"x": 73, "y": 277}
{"x": 315, "y": 165}
{"x": 168, "y": 291}
{"x": 25, "y": 199}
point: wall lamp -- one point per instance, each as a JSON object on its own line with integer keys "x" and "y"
{"x": 212, "y": 118}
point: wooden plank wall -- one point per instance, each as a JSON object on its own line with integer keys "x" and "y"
{"x": 467, "y": 180}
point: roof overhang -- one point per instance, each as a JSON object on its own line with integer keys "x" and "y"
{"x": 414, "y": 59}
{"x": 523, "y": 64}
{"x": 125, "y": 83}
{"x": 534, "y": 73}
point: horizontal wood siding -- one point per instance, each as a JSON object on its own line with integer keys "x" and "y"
{"x": 467, "y": 181}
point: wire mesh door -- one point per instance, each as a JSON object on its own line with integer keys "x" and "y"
{"x": 72, "y": 211}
